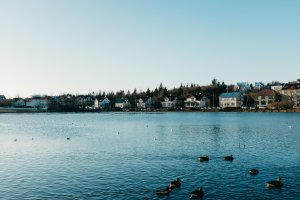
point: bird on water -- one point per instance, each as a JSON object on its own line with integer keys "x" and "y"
{"x": 175, "y": 184}
{"x": 203, "y": 158}
{"x": 199, "y": 193}
{"x": 228, "y": 158}
{"x": 274, "y": 184}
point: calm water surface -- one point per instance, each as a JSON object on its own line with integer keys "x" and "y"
{"x": 130, "y": 155}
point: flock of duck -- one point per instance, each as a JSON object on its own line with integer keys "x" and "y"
{"x": 199, "y": 193}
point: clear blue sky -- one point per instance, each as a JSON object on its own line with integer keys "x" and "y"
{"x": 57, "y": 46}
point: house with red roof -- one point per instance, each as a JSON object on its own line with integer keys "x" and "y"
{"x": 292, "y": 91}
{"x": 265, "y": 97}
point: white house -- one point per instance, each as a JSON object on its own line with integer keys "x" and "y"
{"x": 231, "y": 100}
{"x": 37, "y": 102}
{"x": 141, "y": 104}
{"x": 169, "y": 103}
{"x": 144, "y": 103}
{"x": 191, "y": 102}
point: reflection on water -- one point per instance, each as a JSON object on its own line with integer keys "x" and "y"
{"x": 126, "y": 156}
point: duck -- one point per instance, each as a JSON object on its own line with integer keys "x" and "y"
{"x": 165, "y": 191}
{"x": 274, "y": 184}
{"x": 199, "y": 193}
{"x": 203, "y": 158}
{"x": 175, "y": 184}
{"x": 68, "y": 138}
{"x": 253, "y": 171}
{"x": 228, "y": 158}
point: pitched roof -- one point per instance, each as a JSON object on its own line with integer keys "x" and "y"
{"x": 230, "y": 95}
{"x": 121, "y": 100}
{"x": 266, "y": 92}
{"x": 291, "y": 86}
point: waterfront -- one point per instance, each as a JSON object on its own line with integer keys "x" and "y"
{"x": 130, "y": 155}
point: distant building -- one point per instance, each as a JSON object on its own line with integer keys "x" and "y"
{"x": 264, "y": 97}
{"x": 37, "y": 102}
{"x": 86, "y": 102}
{"x": 18, "y": 102}
{"x": 243, "y": 86}
{"x": 104, "y": 103}
{"x": 258, "y": 85}
{"x": 276, "y": 88}
{"x": 292, "y": 91}
{"x": 145, "y": 103}
{"x": 196, "y": 102}
{"x": 169, "y": 103}
{"x": 191, "y": 102}
{"x": 122, "y": 103}
{"x": 2, "y": 97}
{"x": 231, "y": 100}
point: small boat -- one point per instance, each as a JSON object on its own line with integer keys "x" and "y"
{"x": 175, "y": 184}
{"x": 228, "y": 158}
{"x": 165, "y": 191}
{"x": 274, "y": 184}
{"x": 199, "y": 193}
{"x": 253, "y": 171}
{"x": 203, "y": 158}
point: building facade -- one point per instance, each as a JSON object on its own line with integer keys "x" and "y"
{"x": 231, "y": 100}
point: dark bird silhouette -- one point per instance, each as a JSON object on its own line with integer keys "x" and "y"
{"x": 228, "y": 158}
{"x": 203, "y": 158}
{"x": 165, "y": 191}
{"x": 253, "y": 171}
{"x": 199, "y": 193}
{"x": 175, "y": 184}
{"x": 274, "y": 184}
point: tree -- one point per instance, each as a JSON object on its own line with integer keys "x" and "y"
{"x": 214, "y": 81}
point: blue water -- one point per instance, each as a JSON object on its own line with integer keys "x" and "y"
{"x": 130, "y": 155}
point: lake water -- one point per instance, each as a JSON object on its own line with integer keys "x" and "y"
{"x": 130, "y": 155}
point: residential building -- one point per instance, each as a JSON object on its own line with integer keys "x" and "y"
{"x": 122, "y": 103}
{"x": 191, "y": 102}
{"x": 104, "y": 103}
{"x": 292, "y": 92}
{"x": 18, "y": 102}
{"x": 196, "y": 102}
{"x": 264, "y": 97}
{"x": 231, "y": 100}
{"x": 276, "y": 88}
{"x": 169, "y": 103}
{"x": 86, "y": 102}
{"x": 243, "y": 86}
{"x": 37, "y": 102}
{"x": 204, "y": 102}
{"x": 2, "y": 97}
{"x": 145, "y": 103}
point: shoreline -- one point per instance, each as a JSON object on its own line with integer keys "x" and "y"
{"x": 35, "y": 110}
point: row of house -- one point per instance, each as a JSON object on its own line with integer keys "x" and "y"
{"x": 263, "y": 97}
{"x": 289, "y": 92}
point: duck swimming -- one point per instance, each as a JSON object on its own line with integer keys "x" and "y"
{"x": 199, "y": 193}
{"x": 228, "y": 158}
{"x": 175, "y": 184}
{"x": 165, "y": 191}
{"x": 203, "y": 158}
{"x": 274, "y": 184}
{"x": 253, "y": 171}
